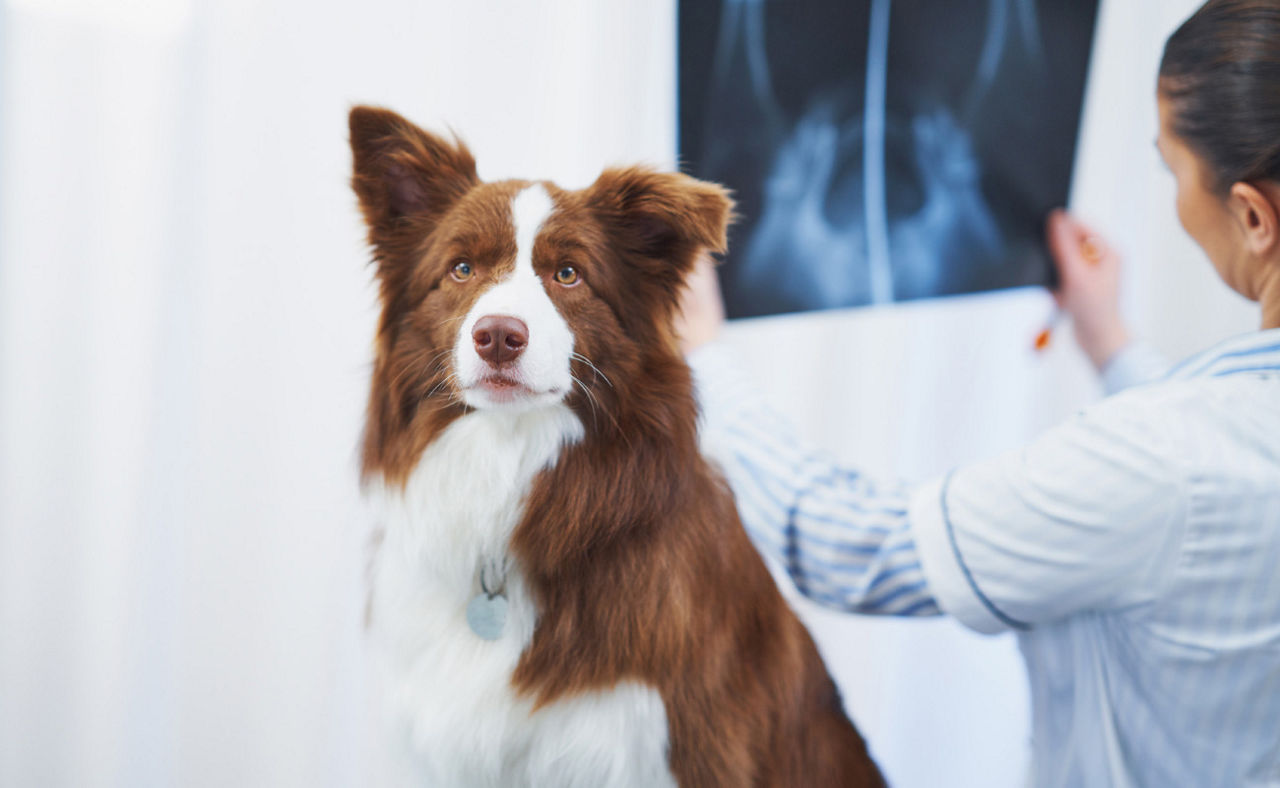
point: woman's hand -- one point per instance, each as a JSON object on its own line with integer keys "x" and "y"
{"x": 1088, "y": 287}
{"x": 701, "y": 314}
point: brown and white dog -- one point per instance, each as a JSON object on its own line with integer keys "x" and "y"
{"x": 532, "y": 444}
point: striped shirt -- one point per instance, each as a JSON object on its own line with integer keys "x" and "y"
{"x": 1134, "y": 549}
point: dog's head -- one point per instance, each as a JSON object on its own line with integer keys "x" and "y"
{"x": 516, "y": 295}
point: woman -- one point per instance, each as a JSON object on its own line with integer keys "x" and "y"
{"x": 1134, "y": 549}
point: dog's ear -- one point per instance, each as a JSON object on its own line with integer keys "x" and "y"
{"x": 405, "y": 178}
{"x": 661, "y": 221}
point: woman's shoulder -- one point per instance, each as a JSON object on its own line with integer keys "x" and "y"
{"x": 1201, "y": 394}
{"x": 1212, "y": 422}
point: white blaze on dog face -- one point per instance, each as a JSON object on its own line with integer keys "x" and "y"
{"x": 540, "y": 373}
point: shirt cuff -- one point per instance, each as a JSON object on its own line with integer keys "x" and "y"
{"x": 1134, "y": 364}
{"x": 949, "y": 579}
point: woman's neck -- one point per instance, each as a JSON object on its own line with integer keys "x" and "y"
{"x": 1269, "y": 297}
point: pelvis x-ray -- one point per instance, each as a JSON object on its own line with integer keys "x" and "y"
{"x": 882, "y": 150}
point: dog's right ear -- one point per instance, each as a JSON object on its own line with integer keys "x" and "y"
{"x": 405, "y": 178}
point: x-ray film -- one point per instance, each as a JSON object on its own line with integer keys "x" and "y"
{"x": 883, "y": 150}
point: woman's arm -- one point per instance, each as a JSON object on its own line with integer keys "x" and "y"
{"x": 845, "y": 539}
{"x": 1089, "y": 517}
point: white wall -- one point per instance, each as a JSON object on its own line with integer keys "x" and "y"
{"x": 185, "y": 316}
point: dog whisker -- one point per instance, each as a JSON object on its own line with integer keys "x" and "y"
{"x": 457, "y": 319}
{"x": 594, "y": 368}
{"x": 452, "y": 377}
{"x": 591, "y": 399}
{"x": 409, "y": 367}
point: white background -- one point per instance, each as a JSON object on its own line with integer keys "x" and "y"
{"x": 185, "y": 320}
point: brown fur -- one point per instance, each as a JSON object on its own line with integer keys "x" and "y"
{"x": 631, "y": 544}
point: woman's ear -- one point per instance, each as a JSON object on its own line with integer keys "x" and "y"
{"x": 1256, "y": 208}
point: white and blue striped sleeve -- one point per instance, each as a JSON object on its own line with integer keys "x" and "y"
{"x": 843, "y": 538}
{"x": 1086, "y": 518}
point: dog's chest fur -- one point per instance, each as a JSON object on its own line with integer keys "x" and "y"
{"x": 449, "y": 692}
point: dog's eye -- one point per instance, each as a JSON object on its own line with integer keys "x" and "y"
{"x": 461, "y": 271}
{"x": 567, "y": 276}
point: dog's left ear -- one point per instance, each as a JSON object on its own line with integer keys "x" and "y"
{"x": 662, "y": 220}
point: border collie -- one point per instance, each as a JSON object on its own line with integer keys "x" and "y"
{"x": 563, "y": 594}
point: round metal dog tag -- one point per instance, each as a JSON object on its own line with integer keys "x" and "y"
{"x": 487, "y": 615}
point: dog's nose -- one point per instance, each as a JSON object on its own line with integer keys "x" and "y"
{"x": 500, "y": 338}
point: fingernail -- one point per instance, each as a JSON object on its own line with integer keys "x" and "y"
{"x": 1091, "y": 250}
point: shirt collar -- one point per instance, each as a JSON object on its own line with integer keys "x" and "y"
{"x": 1255, "y": 352}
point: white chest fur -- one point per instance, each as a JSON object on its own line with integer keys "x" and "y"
{"x": 449, "y": 692}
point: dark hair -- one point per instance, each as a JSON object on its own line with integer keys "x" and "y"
{"x": 1221, "y": 71}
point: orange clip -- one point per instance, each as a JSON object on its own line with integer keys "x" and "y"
{"x": 1046, "y": 334}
